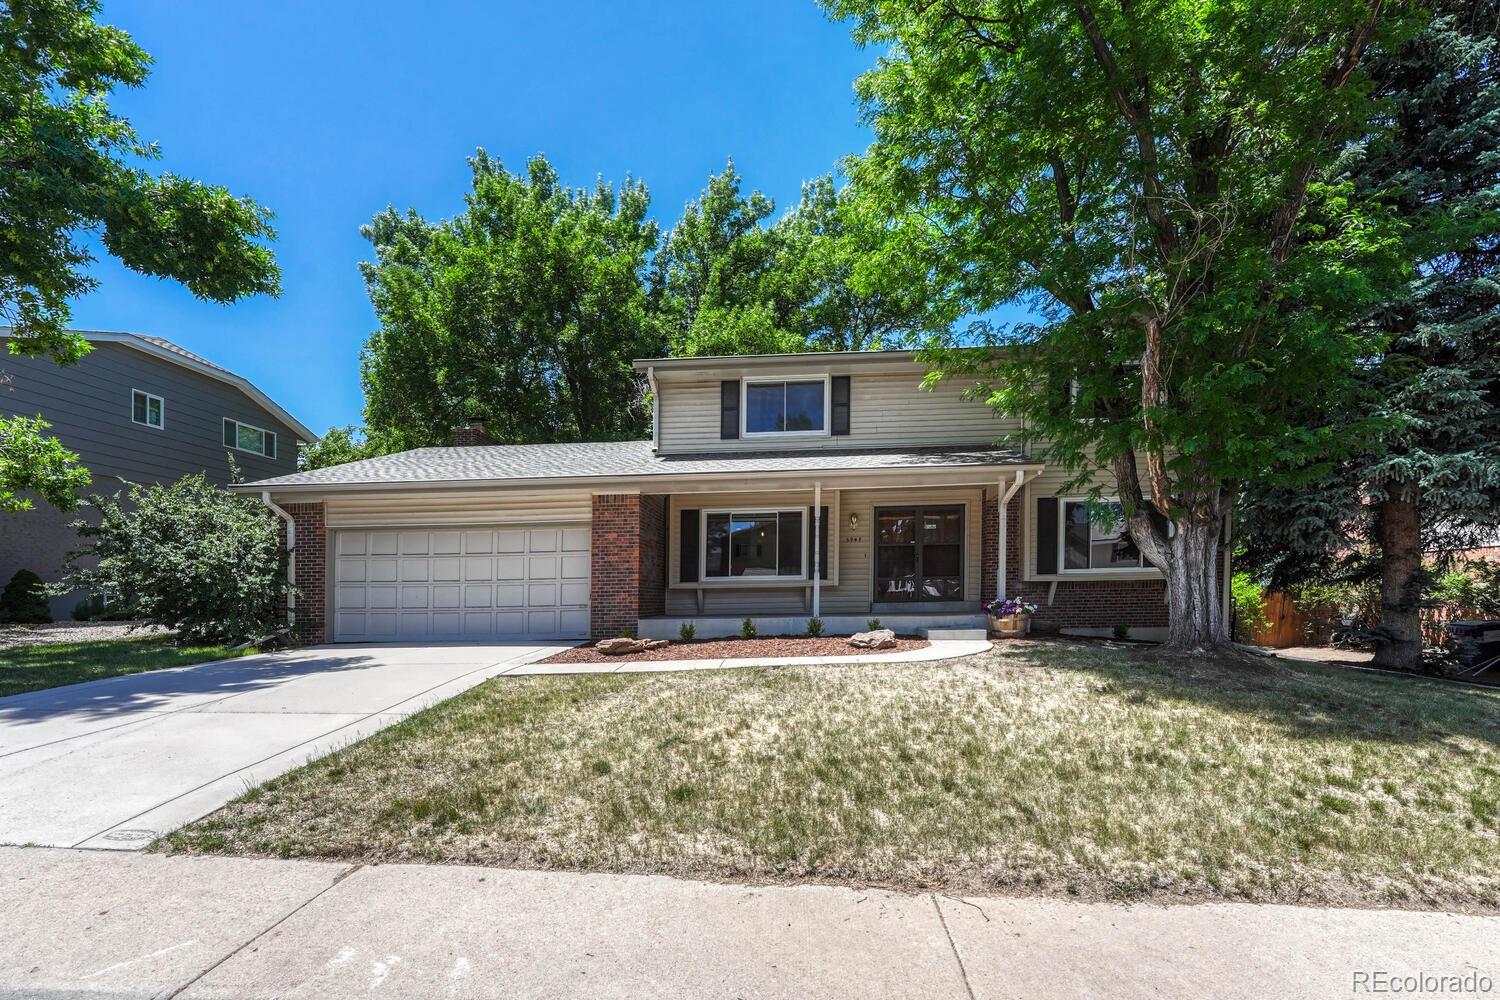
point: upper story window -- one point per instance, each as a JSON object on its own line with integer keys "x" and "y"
{"x": 243, "y": 437}
{"x": 147, "y": 409}
{"x": 786, "y": 406}
{"x": 754, "y": 544}
{"x": 1088, "y": 545}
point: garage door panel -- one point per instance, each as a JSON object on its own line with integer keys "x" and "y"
{"x": 418, "y": 585}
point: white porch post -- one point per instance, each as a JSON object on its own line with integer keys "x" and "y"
{"x": 1003, "y": 495}
{"x": 817, "y": 560}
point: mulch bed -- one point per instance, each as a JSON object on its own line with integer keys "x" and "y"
{"x": 720, "y": 649}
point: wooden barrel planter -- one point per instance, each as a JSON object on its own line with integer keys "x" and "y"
{"x": 1010, "y": 626}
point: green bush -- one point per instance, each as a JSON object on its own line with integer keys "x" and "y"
{"x": 1248, "y": 605}
{"x": 1120, "y": 632}
{"x": 24, "y": 599}
{"x": 814, "y": 627}
{"x": 1475, "y": 589}
{"x": 187, "y": 556}
{"x": 686, "y": 631}
{"x": 747, "y": 629}
{"x": 873, "y": 625}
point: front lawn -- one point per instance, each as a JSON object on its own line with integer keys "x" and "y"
{"x": 31, "y": 668}
{"x": 1055, "y": 767}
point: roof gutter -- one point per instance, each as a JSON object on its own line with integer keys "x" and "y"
{"x": 655, "y": 408}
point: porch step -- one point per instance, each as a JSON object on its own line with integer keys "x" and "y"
{"x": 935, "y": 634}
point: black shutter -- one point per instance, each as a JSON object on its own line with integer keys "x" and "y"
{"x": 823, "y": 543}
{"x": 687, "y": 547}
{"x": 840, "y": 405}
{"x": 1046, "y": 535}
{"x": 729, "y": 409}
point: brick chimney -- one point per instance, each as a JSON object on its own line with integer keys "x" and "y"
{"x": 471, "y": 433}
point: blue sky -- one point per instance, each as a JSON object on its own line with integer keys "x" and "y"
{"x": 326, "y": 112}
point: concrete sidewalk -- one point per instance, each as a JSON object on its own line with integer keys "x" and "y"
{"x": 83, "y": 923}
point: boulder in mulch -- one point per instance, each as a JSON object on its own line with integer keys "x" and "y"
{"x": 879, "y": 639}
{"x": 623, "y": 645}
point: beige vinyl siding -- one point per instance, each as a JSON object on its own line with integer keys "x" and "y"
{"x": 884, "y": 411}
{"x": 397, "y": 509}
{"x": 851, "y": 552}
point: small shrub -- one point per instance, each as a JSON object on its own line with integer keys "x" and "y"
{"x": 25, "y": 599}
{"x": 873, "y": 625}
{"x": 686, "y": 631}
{"x": 747, "y": 628}
{"x": 1121, "y": 632}
{"x": 89, "y": 609}
{"x": 626, "y": 633}
{"x": 814, "y": 627}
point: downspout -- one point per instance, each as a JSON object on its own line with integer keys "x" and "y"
{"x": 291, "y": 559}
{"x": 655, "y": 409}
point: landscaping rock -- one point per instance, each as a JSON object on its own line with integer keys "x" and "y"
{"x": 623, "y": 645}
{"x": 879, "y": 639}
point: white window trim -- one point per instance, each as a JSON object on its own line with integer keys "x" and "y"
{"x": 1062, "y": 528}
{"x": 258, "y": 454}
{"x": 147, "y": 422}
{"x": 745, "y": 431}
{"x": 749, "y": 580}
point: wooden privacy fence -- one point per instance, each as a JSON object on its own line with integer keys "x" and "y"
{"x": 1288, "y": 625}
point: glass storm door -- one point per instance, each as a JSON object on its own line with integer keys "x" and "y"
{"x": 919, "y": 554}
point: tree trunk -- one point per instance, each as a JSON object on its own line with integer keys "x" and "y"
{"x": 1399, "y": 534}
{"x": 1192, "y": 567}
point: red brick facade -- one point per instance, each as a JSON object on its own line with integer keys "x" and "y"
{"x": 653, "y": 556}
{"x": 615, "y": 565}
{"x": 310, "y": 558}
{"x": 1077, "y": 603}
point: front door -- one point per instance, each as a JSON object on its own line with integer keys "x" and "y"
{"x": 919, "y": 554}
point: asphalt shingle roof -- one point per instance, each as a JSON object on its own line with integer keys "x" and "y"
{"x": 623, "y": 459}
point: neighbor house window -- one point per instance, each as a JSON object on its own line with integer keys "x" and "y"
{"x": 147, "y": 409}
{"x": 770, "y": 543}
{"x": 1088, "y": 544}
{"x": 243, "y": 437}
{"x": 799, "y": 407}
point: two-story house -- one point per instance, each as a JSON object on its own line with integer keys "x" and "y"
{"x": 138, "y": 409}
{"x": 777, "y": 488}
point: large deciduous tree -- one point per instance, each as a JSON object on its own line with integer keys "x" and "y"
{"x": 1432, "y": 479}
{"x": 70, "y": 166}
{"x": 525, "y": 311}
{"x": 1140, "y": 173}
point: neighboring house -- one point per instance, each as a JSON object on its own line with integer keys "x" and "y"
{"x": 775, "y": 487}
{"x": 141, "y": 409}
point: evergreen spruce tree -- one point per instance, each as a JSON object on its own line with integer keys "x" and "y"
{"x": 1433, "y": 480}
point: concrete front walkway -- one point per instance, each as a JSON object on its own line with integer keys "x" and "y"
{"x": 113, "y": 763}
{"x": 86, "y": 923}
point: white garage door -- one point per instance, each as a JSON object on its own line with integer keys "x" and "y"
{"x": 471, "y": 583}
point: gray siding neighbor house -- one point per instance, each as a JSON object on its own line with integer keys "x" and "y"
{"x": 140, "y": 409}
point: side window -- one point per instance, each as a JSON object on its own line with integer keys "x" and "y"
{"x": 147, "y": 409}
{"x": 1089, "y": 545}
{"x": 244, "y": 437}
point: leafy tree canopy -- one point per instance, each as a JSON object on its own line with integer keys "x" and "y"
{"x": 1142, "y": 177}
{"x": 32, "y": 461}
{"x": 341, "y": 445}
{"x": 525, "y": 310}
{"x": 69, "y": 166}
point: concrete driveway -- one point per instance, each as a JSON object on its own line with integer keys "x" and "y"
{"x": 116, "y": 762}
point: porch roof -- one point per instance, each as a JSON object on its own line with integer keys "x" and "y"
{"x": 623, "y": 462}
